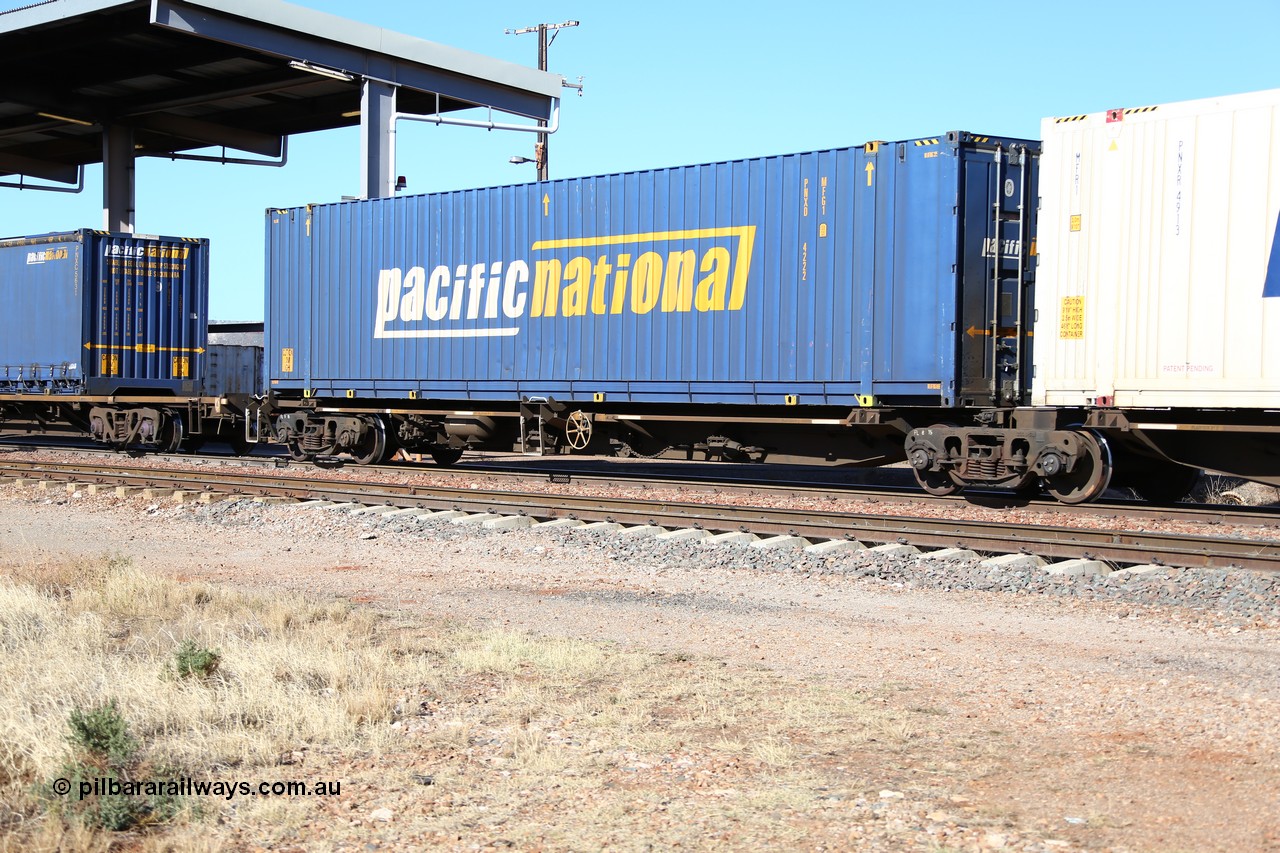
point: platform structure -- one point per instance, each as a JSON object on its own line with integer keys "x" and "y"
{"x": 107, "y": 81}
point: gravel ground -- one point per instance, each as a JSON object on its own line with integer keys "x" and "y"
{"x": 1108, "y": 715}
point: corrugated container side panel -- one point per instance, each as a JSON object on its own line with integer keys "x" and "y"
{"x": 42, "y": 333}
{"x": 648, "y": 267}
{"x": 288, "y": 335}
{"x": 232, "y": 369}
{"x": 916, "y": 339}
{"x": 838, "y": 346}
{"x": 1159, "y": 229}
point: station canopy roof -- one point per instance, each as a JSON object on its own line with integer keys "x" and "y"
{"x": 188, "y": 74}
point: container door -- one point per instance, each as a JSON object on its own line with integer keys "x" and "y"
{"x": 998, "y": 192}
{"x": 148, "y": 307}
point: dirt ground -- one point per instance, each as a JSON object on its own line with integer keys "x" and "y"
{"x": 1048, "y": 723}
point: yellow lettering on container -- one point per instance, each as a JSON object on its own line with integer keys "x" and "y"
{"x": 546, "y": 287}
{"x": 620, "y": 284}
{"x": 1071, "y": 319}
{"x": 574, "y": 299}
{"x": 677, "y": 288}
{"x": 712, "y": 288}
{"x": 646, "y": 282}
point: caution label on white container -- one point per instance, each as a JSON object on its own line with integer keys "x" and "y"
{"x": 1071, "y": 319}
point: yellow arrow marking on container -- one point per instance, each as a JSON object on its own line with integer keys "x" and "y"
{"x": 546, "y": 204}
{"x": 1005, "y": 332}
{"x": 871, "y": 170}
{"x": 141, "y": 348}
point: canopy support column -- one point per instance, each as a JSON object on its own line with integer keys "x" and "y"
{"x": 377, "y": 139}
{"x": 117, "y": 178}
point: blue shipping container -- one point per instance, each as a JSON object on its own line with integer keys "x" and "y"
{"x": 820, "y": 278}
{"x": 90, "y": 312}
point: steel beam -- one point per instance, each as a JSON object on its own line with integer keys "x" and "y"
{"x": 377, "y": 140}
{"x": 210, "y": 133}
{"x": 117, "y": 178}
{"x": 13, "y": 164}
{"x": 350, "y": 48}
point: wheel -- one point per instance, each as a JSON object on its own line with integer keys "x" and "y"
{"x": 372, "y": 449}
{"x": 939, "y": 483}
{"x": 577, "y": 430}
{"x": 1166, "y": 484}
{"x": 446, "y": 456}
{"x": 296, "y": 453}
{"x": 1091, "y": 475}
{"x": 174, "y": 432}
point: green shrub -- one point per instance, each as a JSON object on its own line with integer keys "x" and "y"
{"x": 192, "y": 661}
{"x": 104, "y": 757}
{"x": 103, "y": 733}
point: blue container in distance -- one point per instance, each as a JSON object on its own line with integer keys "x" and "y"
{"x": 835, "y": 277}
{"x": 232, "y": 370}
{"x": 91, "y": 312}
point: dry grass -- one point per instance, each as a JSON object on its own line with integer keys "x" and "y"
{"x": 506, "y": 724}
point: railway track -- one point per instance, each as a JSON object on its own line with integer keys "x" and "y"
{"x": 1125, "y": 547}
{"x": 718, "y": 478}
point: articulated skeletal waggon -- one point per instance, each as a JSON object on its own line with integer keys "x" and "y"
{"x": 1094, "y": 309}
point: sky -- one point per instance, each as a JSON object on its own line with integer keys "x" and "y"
{"x": 671, "y": 83}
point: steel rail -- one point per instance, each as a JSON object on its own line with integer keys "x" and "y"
{"x": 1122, "y": 547}
{"x": 780, "y": 486}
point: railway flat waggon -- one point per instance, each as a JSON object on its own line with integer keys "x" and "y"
{"x": 777, "y": 307}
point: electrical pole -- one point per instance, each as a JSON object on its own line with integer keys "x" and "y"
{"x": 540, "y": 149}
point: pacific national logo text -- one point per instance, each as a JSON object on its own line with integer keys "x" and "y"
{"x": 667, "y": 271}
